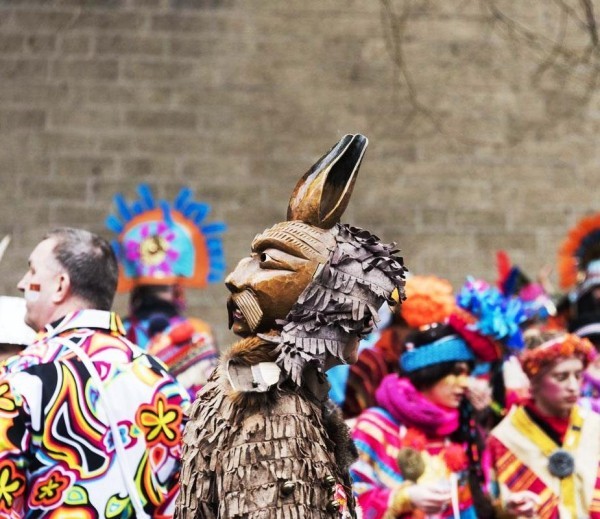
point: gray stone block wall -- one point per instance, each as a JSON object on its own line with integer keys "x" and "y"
{"x": 479, "y": 140}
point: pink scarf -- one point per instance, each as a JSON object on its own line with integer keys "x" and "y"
{"x": 407, "y": 405}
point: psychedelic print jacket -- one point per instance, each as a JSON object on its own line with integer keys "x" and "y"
{"x": 57, "y": 456}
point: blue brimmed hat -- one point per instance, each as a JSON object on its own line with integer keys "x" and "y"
{"x": 450, "y": 348}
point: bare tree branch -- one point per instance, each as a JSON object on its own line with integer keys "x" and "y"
{"x": 588, "y": 7}
{"x": 565, "y": 61}
{"x": 555, "y": 52}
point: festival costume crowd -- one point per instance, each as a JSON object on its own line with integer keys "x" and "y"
{"x": 356, "y": 389}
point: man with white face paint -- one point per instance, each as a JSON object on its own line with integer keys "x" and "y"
{"x": 90, "y": 426}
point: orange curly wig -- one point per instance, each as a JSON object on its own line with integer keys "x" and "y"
{"x": 429, "y": 299}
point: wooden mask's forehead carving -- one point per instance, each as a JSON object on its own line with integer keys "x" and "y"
{"x": 297, "y": 238}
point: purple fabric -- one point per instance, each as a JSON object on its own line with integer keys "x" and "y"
{"x": 594, "y": 383}
{"x": 591, "y": 390}
{"x": 407, "y": 405}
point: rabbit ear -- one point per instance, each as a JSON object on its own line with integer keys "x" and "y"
{"x": 322, "y": 195}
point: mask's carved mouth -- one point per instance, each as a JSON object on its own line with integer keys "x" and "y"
{"x": 244, "y": 307}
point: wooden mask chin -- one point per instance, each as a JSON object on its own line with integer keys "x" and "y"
{"x": 284, "y": 258}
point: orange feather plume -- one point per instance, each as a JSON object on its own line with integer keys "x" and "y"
{"x": 569, "y": 254}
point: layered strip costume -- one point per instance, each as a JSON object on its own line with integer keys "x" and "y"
{"x": 56, "y": 441}
{"x": 263, "y": 440}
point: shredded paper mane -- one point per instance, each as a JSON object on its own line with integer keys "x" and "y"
{"x": 341, "y": 302}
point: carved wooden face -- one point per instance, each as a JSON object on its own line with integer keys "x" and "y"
{"x": 265, "y": 285}
{"x": 284, "y": 258}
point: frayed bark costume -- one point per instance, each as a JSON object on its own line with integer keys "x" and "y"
{"x": 263, "y": 440}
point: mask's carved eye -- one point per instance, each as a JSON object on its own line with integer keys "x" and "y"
{"x": 273, "y": 259}
{"x": 267, "y": 261}
{"x": 276, "y": 259}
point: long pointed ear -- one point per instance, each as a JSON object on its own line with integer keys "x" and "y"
{"x": 322, "y": 195}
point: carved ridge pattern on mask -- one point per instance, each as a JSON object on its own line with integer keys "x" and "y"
{"x": 341, "y": 301}
{"x": 249, "y": 306}
{"x": 302, "y": 237}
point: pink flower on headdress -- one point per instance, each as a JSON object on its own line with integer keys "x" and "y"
{"x": 531, "y": 292}
{"x": 153, "y": 254}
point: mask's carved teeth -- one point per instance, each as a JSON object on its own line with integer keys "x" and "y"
{"x": 246, "y": 304}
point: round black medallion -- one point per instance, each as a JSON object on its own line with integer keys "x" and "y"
{"x": 561, "y": 464}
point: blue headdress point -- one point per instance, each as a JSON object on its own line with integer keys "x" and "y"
{"x": 498, "y": 317}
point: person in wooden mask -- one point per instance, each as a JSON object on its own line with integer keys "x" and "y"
{"x": 263, "y": 439}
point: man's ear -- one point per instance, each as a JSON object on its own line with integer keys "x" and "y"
{"x": 63, "y": 288}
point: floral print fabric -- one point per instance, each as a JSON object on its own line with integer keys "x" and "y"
{"x": 57, "y": 454}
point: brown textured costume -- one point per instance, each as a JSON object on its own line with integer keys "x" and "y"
{"x": 263, "y": 440}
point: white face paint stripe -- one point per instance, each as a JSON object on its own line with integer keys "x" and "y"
{"x": 31, "y": 296}
{"x": 32, "y": 293}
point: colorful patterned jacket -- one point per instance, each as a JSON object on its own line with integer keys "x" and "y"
{"x": 378, "y": 480}
{"x": 521, "y": 453}
{"x": 57, "y": 456}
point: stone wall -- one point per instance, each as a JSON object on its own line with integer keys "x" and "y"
{"x": 482, "y": 118}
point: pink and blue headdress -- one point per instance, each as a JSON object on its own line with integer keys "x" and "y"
{"x": 483, "y": 324}
{"x": 513, "y": 282}
{"x": 159, "y": 243}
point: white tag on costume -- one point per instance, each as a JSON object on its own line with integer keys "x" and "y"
{"x": 257, "y": 378}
